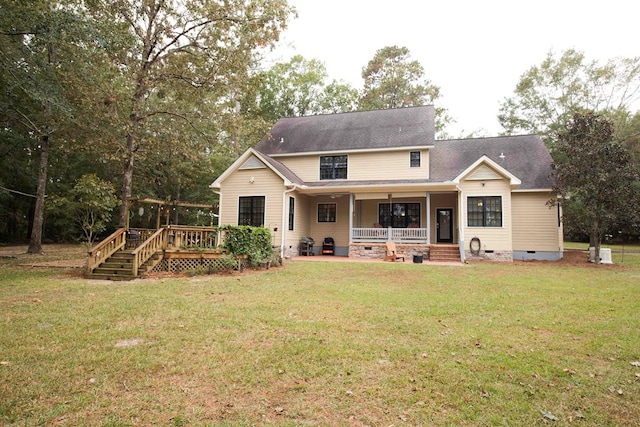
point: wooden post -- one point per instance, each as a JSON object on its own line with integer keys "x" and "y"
{"x": 158, "y": 216}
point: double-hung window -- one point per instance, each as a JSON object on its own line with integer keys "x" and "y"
{"x": 251, "y": 211}
{"x": 292, "y": 205}
{"x": 333, "y": 167}
{"x": 326, "y": 212}
{"x": 414, "y": 159}
{"x": 484, "y": 211}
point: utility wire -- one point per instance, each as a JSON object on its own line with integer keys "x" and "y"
{"x": 17, "y": 192}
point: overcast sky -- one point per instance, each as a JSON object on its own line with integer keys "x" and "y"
{"x": 475, "y": 51}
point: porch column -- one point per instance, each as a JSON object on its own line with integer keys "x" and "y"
{"x": 351, "y": 210}
{"x": 428, "y": 218}
{"x": 462, "y": 208}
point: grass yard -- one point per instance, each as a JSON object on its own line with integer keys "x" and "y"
{"x": 324, "y": 344}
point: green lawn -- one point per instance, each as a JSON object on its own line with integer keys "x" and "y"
{"x": 315, "y": 343}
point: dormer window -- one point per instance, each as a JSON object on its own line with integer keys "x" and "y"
{"x": 414, "y": 159}
{"x": 333, "y": 167}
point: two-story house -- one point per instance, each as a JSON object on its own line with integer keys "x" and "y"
{"x": 363, "y": 178}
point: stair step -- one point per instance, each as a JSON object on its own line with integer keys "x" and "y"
{"x": 114, "y": 271}
{"x": 444, "y": 254}
{"x": 114, "y": 277}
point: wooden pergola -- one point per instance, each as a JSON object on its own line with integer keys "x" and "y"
{"x": 166, "y": 206}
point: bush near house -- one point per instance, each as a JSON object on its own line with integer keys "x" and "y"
{"x": 254, "y": 242}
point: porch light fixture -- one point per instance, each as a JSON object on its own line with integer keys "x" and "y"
{"x": 252, "y": 180}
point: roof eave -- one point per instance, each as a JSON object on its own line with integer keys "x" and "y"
{"x": 353, "y": 150}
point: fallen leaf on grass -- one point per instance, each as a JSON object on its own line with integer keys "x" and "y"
{"x": 637, "y": 364}
{"x": 5, "y": 363}
{"x": 548, "y": 415}
{"x": 613, "y": 390}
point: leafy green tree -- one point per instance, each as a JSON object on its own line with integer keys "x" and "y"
{"x": 185, "y": 62}
{"x": 548, "y": 95}
{"x": 393, "y": 80}
{"x": 44, "y": 49}
{"x": 597, "y": 179}
{"x": 90, "y": 202}
{"x": 299, "y": 87}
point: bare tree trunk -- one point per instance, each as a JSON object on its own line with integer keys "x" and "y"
{"x": 35, "y": 242}
{"x": 595, "y": 237}
{"x": 127, "y": 179}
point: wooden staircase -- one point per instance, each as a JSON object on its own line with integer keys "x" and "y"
{"x": 444, "y": 253}
{"x": 119, "y": 266}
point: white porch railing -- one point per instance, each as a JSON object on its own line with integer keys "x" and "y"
{"x": 401, "y": 235}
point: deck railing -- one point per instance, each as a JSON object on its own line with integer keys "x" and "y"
{"x": 192, "y": 237}
{"x": 148, "y": 248}
{"x": 401, "y": 235}
{"x": 145, "y": 243}
{"x": 103, "y": 250}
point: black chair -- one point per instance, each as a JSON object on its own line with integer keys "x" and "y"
{"x": 328, "y": 246}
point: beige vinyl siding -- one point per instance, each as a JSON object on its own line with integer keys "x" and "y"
{"x": 364, "y": 166}
{"x": 367, "y": 213}
{"x": 266, "y": 183}
{"x": 535, "y": 225}
{"x": 339, "y": 230}
{"x": 301, "y": 220}
{"x": 491, "y": 238}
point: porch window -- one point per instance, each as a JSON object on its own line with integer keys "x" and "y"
{"x": 414, "y": 159}
{"x": 333, "y": 167}
{"x": 326, "y": 212}
{"x": 251, "y": 211}
{"x": 292, "y": 205}
{"x": 485, "y": 211}
{"x": 402, "y": 215}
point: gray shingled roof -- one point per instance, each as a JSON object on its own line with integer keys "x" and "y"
{"x": 285, "y": 171}
{"x": 525, "y": 156}
{"x": 401, "y": 127}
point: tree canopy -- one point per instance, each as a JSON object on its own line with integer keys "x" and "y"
{"x": 393, "y": 80}
{"x": 597, "y": 178}
{"x": 301, "y": 87}
{"x": 548, "y": 95}
{"x": 186, "y": 63}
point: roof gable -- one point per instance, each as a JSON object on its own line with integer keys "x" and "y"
{"x": 251, "y": 159}
{"x": 360, "y": 130}
{"x": 485, "y": 168}
{"x": 483, "y": 173}
{"x": 252, "y": 163}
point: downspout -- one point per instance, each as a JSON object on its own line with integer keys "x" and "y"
{"x": 461, "y": 221}
{"x": 283, "y": 222}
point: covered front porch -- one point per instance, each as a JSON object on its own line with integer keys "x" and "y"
{"x": 403, "y": 217}
{"x": 364, "y": 221}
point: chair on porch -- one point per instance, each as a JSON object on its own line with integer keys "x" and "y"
{"x": 392, "y": 253}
